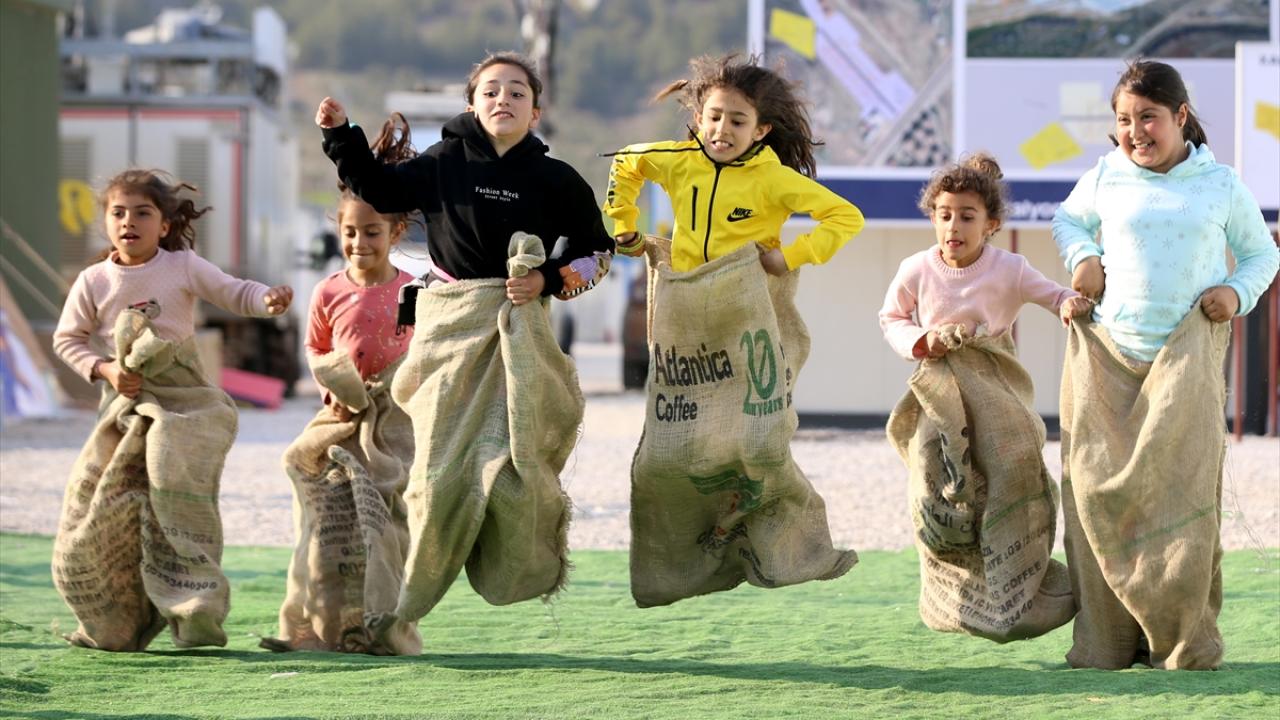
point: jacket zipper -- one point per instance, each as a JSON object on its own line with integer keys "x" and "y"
{"x": 706, "y": 241}
{"x": 693, "y": 211}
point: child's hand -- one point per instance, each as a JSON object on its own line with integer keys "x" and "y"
{"x": 774, "y": 263}
{"x": 278, "y": 299}
{"x": 1089, "y": 279}
{"x": 1074, "y": 307}
{"x": 331, "y": 114}
{"x": 627, "y": 244}
{"x": 1220, "y": 303}
{"x": 128, "y": 384}
{"x": 930, "y": 346}
{"x": 521, "y": 290}
{"x": 340, "y": 411}
{"x": 572, "y": 282}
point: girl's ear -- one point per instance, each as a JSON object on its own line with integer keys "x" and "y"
{"x": 761, "y": 131}
{"x": 537, "y": 114}
{"x": 1180, "y": 117}
{"x": 397, "y": 231}
{"x": 164, "y": 229}
{"x": 993, "y": 225}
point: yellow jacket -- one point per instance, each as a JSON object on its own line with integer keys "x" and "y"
{"x": 721, "y": 207}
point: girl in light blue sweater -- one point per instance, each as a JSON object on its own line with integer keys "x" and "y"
{"x": 1168, "y": 211}
{"x": 1145, "y": 233}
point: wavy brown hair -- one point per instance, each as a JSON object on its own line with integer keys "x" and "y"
{"x": 978, "y": 173}
{"x": 777, "y": 102}
{"x": 166, "y": 193}
{"x": 393, "y": 145}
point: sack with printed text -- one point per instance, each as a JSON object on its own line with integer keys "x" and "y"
{"x": 716, "y": 497}
{"x": 351, "y": 532}
{"x": 139, "y": 543}
{"x": 982, "y": 502}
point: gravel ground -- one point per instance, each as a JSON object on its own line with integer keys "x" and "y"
{"x": 857, "y": 472}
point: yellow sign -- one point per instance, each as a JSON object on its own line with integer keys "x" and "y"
{"x": 77, "y": 207}
{"x": 794, "y": 30}
{"x": 1266, "y": 117}
{"x": 1053, "y": 144}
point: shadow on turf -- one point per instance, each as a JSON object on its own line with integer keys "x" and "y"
{"x": 1050, "y": 678}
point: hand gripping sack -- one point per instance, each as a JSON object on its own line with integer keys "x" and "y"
{"x": 983, "y": 504}
{"x": 716, "y": 497}
{"x": 495, "y": 407}
{"x": 139, "y": 543}
{"x": 1142, "y": 453}
{"x": 351, "y": 532}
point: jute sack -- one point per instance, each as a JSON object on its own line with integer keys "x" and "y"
{"x": 139, "y": 542}
{"x": 351, "y": 532}
{"x": 1142, "y": 453}
{"x": 495, "y": 407}
{"x": 983, "y": 504}
{"x": 716, "y": 497}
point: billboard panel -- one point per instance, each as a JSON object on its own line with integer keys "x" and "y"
{"x": 1258, "y": 121}
{"x": 877, "y": 73}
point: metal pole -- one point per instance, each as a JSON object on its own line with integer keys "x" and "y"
{"x": 1013, "y": 247}
{"x": 1273, "y": 349}
{"x": 1237, "y": 354}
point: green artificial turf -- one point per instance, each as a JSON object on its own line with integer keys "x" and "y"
{"x": 850, "y": 648}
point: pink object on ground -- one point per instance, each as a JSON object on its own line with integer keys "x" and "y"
{"x": 260, "y": 390}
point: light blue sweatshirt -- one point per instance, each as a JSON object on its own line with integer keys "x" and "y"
{"x": 1163, "y": 242}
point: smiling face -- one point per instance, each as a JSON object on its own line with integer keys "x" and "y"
{"x": 729, "y": 125}
{"x": 962, "y": 226}
{"x": 1150, "y": 134}
{"x": 503, "y": 102}
{"x": 135, "y": 226}
{"x": 367, "y": 237}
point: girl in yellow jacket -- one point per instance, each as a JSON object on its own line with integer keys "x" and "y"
{"x": 743, "y": 171}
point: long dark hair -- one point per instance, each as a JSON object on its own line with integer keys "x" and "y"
{"x": 392, "y": 145}
{"x": 165, "y": 192}
{"x": 1161, "y": 84}
{"x": 776, "y": 100}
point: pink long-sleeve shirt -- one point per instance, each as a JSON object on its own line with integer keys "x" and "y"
{"x": 360, "y": 319}
{"x": 927, "y": 293}
{"x": 165, "y": 287}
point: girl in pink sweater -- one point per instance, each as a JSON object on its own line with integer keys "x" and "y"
{"x": 139, "y": 542}
{"x": 350, "y": 465}
{"x": 964, "y": 280}
{"x": 151, "y": 266}
{"x": 982, "y": 503}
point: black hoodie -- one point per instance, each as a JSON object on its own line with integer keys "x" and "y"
{"x": 474, "y": 200}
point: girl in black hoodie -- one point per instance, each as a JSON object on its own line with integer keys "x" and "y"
{"x": 486, "y": 179}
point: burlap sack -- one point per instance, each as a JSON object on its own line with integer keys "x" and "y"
{"x": 983, "y": 504}
{"x": 350, "y": 523}
{"x": 139, "y": 543}
{"x": 1142, "y": 452}
{"x": 716, "y": 497}
{"x": 495, "y": 407}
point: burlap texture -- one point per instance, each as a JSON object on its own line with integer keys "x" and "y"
{"x": 351, "y": 532}
{"x": 495, "y": 407}
{"x": 716, "y": 497}
{"x": 139, "y": 542}
{"x": 983, "y": 503}
{"x": 1142, "y": 452}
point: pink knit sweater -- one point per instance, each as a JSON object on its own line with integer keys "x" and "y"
{"x": 988, "y": 293}
{"x": 165, "y": 287}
